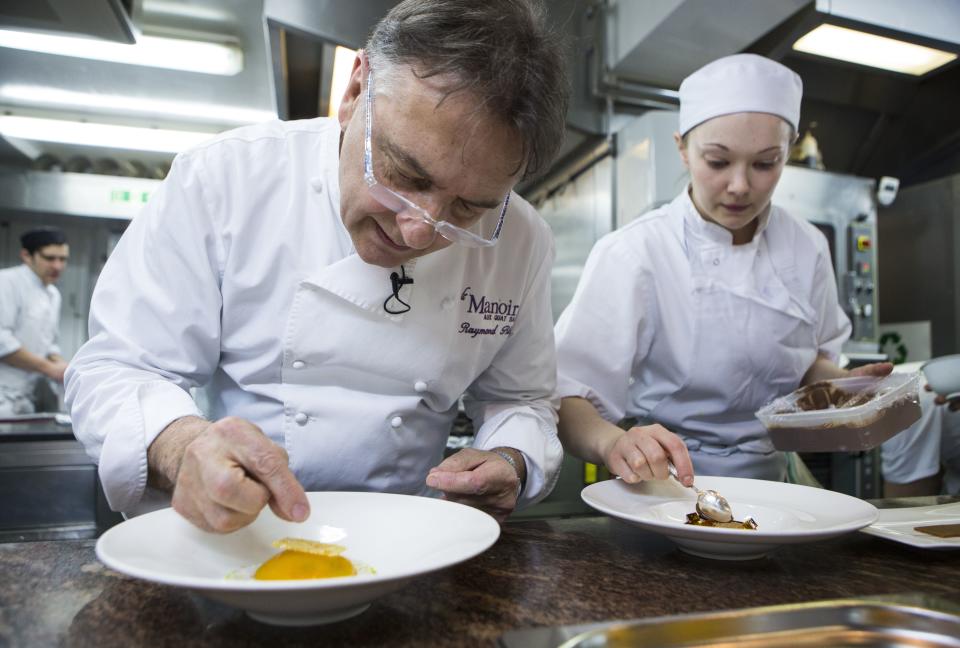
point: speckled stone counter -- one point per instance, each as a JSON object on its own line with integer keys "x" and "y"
{"x": 540, "y": 573}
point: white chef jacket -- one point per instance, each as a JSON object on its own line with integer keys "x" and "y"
{"x": 29, "y": 319}
{"x": 928, "y": 446}
{"x": 240, "y": 275}
{"x": 673, "y": 324}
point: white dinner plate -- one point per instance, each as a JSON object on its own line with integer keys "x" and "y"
{"x": 900, "y": 524}
{"x": 393, "y": 538}
{"x": 785, "y": 513}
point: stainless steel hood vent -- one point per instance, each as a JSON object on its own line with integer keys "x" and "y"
{"x": 44, "y": 85}
{"x": 105, "y": 19}
{"x": 630, "y": 56}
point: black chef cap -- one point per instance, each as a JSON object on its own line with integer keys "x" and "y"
{"x": 42, "y": 237}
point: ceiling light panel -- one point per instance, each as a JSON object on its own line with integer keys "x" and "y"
{"x": 99, "y": 135}
{"x": 224, "y": 59}
{"x": 862, "y": 48}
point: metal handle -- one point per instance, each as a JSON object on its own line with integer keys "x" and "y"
{"x": 673, "y": 473}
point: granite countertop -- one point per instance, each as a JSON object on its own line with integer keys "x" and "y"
{"x": 539, "y": 573}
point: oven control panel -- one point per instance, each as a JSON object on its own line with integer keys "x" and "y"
{"x": 861, "y": 282}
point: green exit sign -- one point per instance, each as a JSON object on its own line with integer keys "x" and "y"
{"x": 125, "y": 196}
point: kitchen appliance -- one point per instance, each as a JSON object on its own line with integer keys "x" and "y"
{"x": 48, "y": 484}
{"x": 844, "y": 209}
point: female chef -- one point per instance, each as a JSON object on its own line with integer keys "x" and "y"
{"x": 698, "y": 313}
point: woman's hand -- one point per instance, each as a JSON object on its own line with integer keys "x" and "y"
{"x": 641, "y": 454}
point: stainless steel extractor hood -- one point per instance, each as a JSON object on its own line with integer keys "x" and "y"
{"x": 44, "y": 85}
{"x": 104, "y": 19}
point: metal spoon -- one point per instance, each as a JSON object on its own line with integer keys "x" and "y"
{"x": 710, "y": 504}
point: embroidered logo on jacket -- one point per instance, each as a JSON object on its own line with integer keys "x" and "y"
{"x": 498, "y": 316}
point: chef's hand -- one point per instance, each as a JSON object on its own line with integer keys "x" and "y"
{"x": 878, "y": 369}
{"x": 224, "y": 473}
{"x": 481, "y": 479}
{"x": 953, "y": 404}
{"x": 641, "y": 454}
{"x": 54, "y": 369}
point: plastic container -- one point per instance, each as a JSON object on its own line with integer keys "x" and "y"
{"x": 844, "y": 414}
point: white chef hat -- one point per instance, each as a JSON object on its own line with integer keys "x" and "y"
{"x": 740, "y": 83}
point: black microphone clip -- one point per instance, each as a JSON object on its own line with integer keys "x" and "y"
{"x": 397, "y": 281}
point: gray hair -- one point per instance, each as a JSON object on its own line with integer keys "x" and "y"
{"x": 501, "y": 51}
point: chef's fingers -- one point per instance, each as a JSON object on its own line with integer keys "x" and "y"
{"x": 618, "y": 461}
{"x": 655, "y": 455}
{"x": 194, "y": 503}
{"x": 266, "y": 463}
{"x": 953, "y": 404}
{"x": 220, "y": 519}
{"x": 232, "y": 489}
{"x": 467, "y": 482}
{"x": 677, "y": 451}
{"x": 489, "y": 477}
{"x": 878, "y": 369}
{"x": 466, "y": 459}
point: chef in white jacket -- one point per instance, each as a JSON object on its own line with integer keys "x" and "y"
{"x": 337, "y": 285}
{"x": 698, "y": 313}
{"x": 30, "y": 319}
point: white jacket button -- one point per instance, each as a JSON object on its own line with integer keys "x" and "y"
{"x": 420, "y": 386}
{"x": 396, "y": 422}
{"x": 300, "y": 418}
{"x": 317, "y": 184}
{"x": 447, "y": 303}
{"x": 298, "y": 364}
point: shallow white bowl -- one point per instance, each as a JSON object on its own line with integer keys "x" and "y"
{"x": 398, "y": 536}
{"x": 785, "y": 513}
{"x": 943, "y": 375}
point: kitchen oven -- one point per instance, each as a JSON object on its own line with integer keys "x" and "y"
{"x": 843, "y": 208}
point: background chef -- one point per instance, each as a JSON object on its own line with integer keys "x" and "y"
{"x": 323, "y": 280}
{"x": 698, "y": 313}
{"x": 30, "y": 319}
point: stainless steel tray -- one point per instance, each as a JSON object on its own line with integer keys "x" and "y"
{"x": 841, "y": 623}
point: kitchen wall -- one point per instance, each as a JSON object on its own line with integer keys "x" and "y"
{"x": 919, "y": 268}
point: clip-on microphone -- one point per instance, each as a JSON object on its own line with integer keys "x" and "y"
{"x": 397, "y": 282}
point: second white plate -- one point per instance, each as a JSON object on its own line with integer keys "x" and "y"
{"x": 785, "y": 513}
{"x": 900, "y": 525}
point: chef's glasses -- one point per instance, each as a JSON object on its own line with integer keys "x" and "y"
{"x": 407, "y": 209}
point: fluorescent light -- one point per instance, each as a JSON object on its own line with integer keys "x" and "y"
{"x": 102, "y": 135}
{"x": 343, "y": 58}
{"x": 152, "y": 51}
{"x": 67, "y": 99}
{"x": 875, "y": 51}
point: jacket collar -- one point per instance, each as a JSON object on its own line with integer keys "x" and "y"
{"x": 709, "y": 231}
{"x": 32, "y": 279}
{"x": 362, "y": 284}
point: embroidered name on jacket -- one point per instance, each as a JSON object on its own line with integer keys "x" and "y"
{"x": 497, "y": 317}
